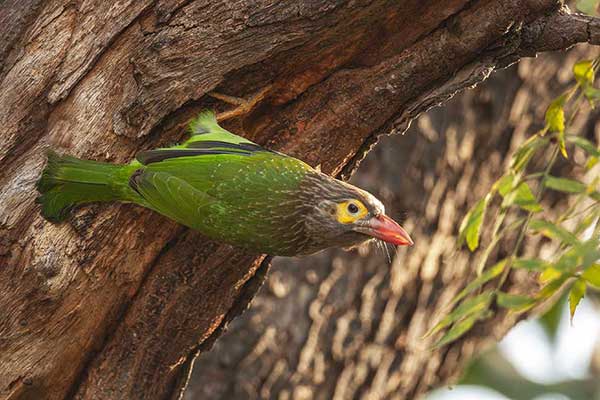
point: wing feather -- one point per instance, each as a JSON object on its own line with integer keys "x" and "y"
{"x": 173, "y": 196}
{"x": 208, "y": 138}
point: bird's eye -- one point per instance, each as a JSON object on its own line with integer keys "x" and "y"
{"x": 349, "y": 211}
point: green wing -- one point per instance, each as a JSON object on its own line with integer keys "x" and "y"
{"x": 172, "y": 196}
{"x": 213, "y": 178}
{"x": 207, "y": 138}
{"x": 211, "y": 159}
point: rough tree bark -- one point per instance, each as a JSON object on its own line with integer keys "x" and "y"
{"x": 117, "y": 302}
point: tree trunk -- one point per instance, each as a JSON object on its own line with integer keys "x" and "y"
{"x": 117, "y": 302}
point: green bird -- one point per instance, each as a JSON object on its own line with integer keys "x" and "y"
{"x": 231, "y": 190}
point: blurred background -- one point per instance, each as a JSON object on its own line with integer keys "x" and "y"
{"x": 343, "y": 325}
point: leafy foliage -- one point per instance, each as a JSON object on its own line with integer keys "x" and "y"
{"x": 552, "y": 231}
{"x": 471, "y": 224}
{"x": 564, "y": 184}
{"x": 576, "y": 262}
{"x": 592, "y": 275}
{"x": 576, "y": 294}
{"x": 555, "y": 122}
{"x": 515, "y": 302}
{"x": 523, "y": 197}
{"x": 473, "y": 306}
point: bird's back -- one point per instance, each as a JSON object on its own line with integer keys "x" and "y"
{"x": 226, "y": 187}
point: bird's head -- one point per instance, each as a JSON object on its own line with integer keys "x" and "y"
{"x": 340, "y": 214}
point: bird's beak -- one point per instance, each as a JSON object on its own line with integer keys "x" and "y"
{"x": 384, "y": 228}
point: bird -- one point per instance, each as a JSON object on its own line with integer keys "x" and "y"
{"x": 228, "y": 188}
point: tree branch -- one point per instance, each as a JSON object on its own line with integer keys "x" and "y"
{"x": 559, "y": 31}
{"x": 556, "y": 31}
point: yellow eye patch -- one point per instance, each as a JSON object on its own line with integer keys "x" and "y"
{"x": 349, "y": 211}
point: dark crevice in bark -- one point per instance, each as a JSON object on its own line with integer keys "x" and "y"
{"x": 242, "y": 302}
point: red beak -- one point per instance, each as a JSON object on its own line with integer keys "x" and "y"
{"x": 388, "y": 230}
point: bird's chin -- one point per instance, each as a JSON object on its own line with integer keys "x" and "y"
{"x": 363, "y": 241}
{"x": 351, "y": 239}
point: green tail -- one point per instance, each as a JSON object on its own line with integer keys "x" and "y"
{"x": 67, "y": 181}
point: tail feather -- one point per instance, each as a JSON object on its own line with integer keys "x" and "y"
{"x": 68, "y": 181}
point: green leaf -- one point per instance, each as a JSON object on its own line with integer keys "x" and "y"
{"x": 555, "y": 121}
{"x": 588, "y": 252}
{"x": 468, "y": 307}
{"x": 568, "y": 262}
{"x": 591, "y": 163}
{"x": 553, "y": 231}
{"x": 524, "y": 153}
{"x": 522, "y": 197}
{"x": 550, "y": 274}
{"x": 592, "y": 275}
{"x": 576, "y": 293}
{"x": 515, "y": 302}
{"x": 561, "y": 144}
{"x": 584, "y": 72}
{"x": 481, "y": 280}
{"x": 555, "y": 115}
{"x": 505, "y": 184}
{"x": 587, "y": 6}
{"x": 551, "y": 288}
{"x": 584, "y": 144}
{"x": 592, "y": 94}
{"x": 581, "y": 255}
{"x": 564, "y": 185}
{"x": 530, "y": 264}
{"x": 551, "y": 318}
{"x": 585, "y": 223}
{"x": 462, "y": 327}
{"x": 471, "y": 224}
